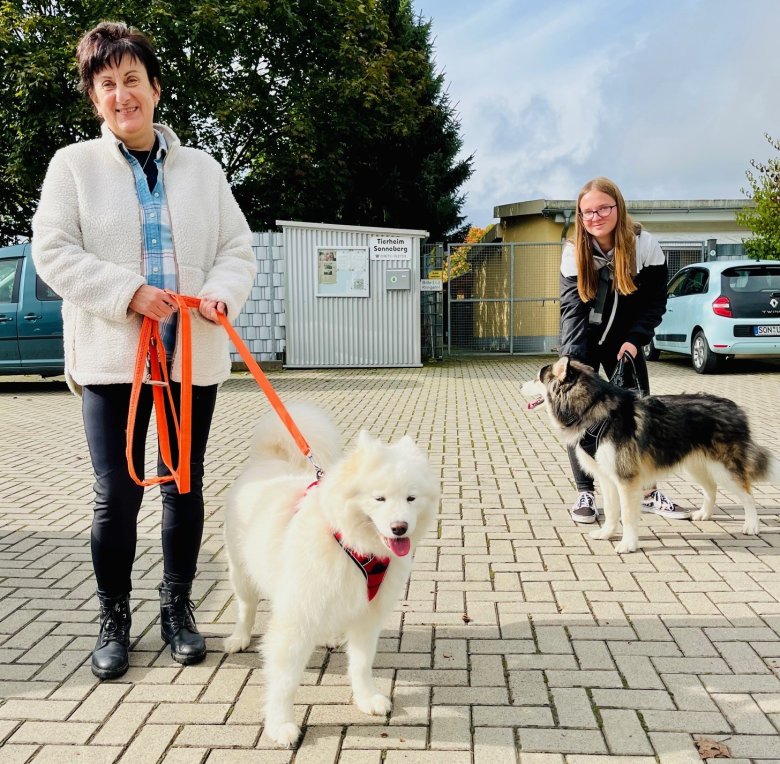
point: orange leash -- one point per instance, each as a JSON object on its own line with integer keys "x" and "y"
{"x": 150, "y": 347}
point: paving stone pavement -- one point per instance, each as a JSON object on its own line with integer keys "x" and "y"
{"x": 520, "y": 639}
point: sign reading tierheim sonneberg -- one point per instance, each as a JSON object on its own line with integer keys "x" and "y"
{"x": 390, "y": 247}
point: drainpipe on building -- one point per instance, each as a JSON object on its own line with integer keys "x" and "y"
{"x": 567, "y": 215}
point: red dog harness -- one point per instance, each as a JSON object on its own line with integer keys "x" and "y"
{"x": 373, "y": 568}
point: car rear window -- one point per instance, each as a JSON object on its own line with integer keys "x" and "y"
{"x": 753, "y": 291}
{"x": 751, "y": 278}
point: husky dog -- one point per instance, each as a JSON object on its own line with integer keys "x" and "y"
{"x": 332, "y": 556}
{"x": 634, "y": 440}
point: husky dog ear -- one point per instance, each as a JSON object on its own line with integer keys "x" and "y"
{"x": 561, "y": 368}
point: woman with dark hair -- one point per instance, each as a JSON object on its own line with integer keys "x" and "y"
{"x": 613, "y": 295}
{"x": 122, "y": 219}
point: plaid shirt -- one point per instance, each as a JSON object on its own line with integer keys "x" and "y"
{"x": 159, "y": 257}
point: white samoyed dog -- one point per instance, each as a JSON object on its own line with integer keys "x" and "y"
{"x": 318, "y": 551}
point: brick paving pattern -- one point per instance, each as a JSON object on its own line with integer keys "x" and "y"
{"x": 520, "y": 639}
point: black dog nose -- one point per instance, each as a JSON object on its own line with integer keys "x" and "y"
{"x": 399, "y": 529}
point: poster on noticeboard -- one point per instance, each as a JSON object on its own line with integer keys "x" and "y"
{"x": 342, "y": 271}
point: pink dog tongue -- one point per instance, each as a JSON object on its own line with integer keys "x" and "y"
{"x": 533, "y": 404}
{"x": 399, "y": 547}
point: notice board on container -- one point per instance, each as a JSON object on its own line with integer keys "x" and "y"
{"x": 342, "y": 271}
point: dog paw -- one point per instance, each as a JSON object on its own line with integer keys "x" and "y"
{"x": 602, "y": 533}
{"x": 285, "y": 734}
{"x": 700, "y": 515}
{"x": 626, "y": 546}
{"x": 235, "y": 644}
{"x": 751, "y": 528}
{"x": 376, "y": 705}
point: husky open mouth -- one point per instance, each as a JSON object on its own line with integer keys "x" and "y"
{"x": 400, "y": 547}
{"x": 536, "y": 402}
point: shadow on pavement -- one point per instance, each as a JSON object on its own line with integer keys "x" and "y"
{"x": 12, "y": 385}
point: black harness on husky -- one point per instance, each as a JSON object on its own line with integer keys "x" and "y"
{"x": 589, "y": 442}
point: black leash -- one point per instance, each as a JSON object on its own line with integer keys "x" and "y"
{"x": 589, "y": 442}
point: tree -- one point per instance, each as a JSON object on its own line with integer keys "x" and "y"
{"x": 369, "y": 138}
{"x": 324, "y": 110}
{"x": 458, "y": 262}
{"x": 764, "y": 218}
{"x": 412, "y": 166}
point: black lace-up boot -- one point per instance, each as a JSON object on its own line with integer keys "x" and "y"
{"x": 177, "y": 624}
{"x": 109, "y": 658}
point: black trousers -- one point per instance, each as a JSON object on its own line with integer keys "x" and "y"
{"x": 606, "y": 358}
{"x": 118, "y": 498}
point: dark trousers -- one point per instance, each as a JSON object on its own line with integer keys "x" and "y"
{"x": 118, "y": 498}
{"x": 606, "y": 358}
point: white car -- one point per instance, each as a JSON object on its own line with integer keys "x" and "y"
{"x": 721, "y": 309}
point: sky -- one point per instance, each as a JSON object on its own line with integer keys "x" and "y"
{"x": 668, "y": 98}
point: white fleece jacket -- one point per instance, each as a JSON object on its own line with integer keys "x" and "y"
{"x": 87, "y": 246}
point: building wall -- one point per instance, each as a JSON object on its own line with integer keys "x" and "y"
{"x": 532, "y": 228}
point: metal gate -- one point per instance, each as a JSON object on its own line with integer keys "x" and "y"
{"x": 502, "y": 298}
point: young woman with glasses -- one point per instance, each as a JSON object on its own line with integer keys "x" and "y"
{"x": 613, "y": 295}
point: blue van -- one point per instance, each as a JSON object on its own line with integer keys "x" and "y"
{"x": 30, "y": 318}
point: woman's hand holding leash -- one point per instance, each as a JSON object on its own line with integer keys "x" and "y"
{"x": 210, "y": 308}
{"x": 152, "y": 302}
{"x": 627, "y": 347}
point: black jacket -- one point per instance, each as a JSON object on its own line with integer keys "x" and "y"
{"x": 635, "y": 316}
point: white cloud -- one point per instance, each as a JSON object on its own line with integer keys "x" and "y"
{"x": 670, "y": 99}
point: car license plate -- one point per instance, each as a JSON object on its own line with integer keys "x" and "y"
{"x": 767, "y": 331}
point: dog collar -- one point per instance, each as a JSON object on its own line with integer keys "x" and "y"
{"x": 373, "y": 568}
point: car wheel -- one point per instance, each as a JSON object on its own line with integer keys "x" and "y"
{"x": 703, "y": 359}
{"x": 650, "y": 351}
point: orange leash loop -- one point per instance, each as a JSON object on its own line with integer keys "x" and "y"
{"x": 150, "y": 346}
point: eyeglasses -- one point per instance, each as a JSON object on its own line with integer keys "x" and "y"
{"x": 601, "y": 212}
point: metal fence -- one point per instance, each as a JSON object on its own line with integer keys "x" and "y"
{"x": 504, "y": 298}
{"x": 432, "y": 304}
{"x": 682, "y": 253}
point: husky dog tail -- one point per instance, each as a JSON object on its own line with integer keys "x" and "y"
{"x": 763, "y": 466}
{"x": 773, "y": 470}
{"x": 272, "y": 440}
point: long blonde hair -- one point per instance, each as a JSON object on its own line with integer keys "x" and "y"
{"x": 625, "y": 245}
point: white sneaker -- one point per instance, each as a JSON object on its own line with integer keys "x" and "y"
{"x": 662, "y": 505}
{"x": 584, "y": 508}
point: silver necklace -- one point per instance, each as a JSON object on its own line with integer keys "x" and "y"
{"x": 143, "y": 166}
